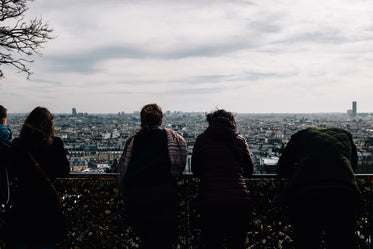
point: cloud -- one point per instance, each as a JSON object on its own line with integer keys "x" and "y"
{"x": 260, "y": 55}
{"x": 89, "y": 61}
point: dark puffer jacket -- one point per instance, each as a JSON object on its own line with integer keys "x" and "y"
{"x": 317, "y": 158}
{"x": 221, "y": 159}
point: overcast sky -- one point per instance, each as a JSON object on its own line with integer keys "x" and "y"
{"x": 256, "y": 56}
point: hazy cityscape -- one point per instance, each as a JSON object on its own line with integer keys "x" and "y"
{"x": 94, "y": 142}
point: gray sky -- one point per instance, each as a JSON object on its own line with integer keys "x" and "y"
{"x": 254, "y": 56}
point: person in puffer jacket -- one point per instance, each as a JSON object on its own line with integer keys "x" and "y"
{"x": 221, "y": 159}
{"x": 322, "y": 192}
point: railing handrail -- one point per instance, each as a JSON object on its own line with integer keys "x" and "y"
{"x": 114, "y": 175}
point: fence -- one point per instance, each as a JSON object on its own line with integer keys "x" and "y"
{"x": 93, "y": 209}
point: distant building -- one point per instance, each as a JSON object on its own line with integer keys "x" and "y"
{"x": 188, "y": 166}
{"x": 354, "y": 109}
{"x": 78, "y": 164}
{"x": 74, "y": 113}
{"x": 268, "y": 164}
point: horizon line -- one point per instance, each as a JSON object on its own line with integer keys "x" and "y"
{"x": 196, "y": 112}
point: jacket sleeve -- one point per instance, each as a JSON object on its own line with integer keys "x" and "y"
{"x": 126, "y": 157}
{"x": 5, "y": 146}
{"x": 177, "y": 150}
{"x": 62, "y": 167}
{"x": 195, "y": 166}
{"x": 354, "y": 158}
{"x": 248, "y": 164}
{"x": 287, "y": 162}
{"x": 5, "y": 139}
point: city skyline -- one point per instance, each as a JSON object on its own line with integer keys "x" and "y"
{"x": 193, "y": 56}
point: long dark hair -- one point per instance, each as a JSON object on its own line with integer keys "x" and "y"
{"x": 151, "y": 115}
{"x": 38, "y": 126}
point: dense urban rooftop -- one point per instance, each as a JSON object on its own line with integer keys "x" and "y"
{"x": 95, "y": 141}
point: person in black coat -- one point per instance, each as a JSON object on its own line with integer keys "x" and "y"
{"x": 221, "y": 159}
{"x": 322, "y": 192}
{"x": 37, "y": 159}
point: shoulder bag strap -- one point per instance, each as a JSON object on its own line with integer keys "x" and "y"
{"x": 46, "y": 177}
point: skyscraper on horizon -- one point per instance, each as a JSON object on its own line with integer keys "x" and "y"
{"x": 74, "y": 112}
{"x": 354, "y": 109}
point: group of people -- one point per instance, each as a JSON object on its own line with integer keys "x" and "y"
{"x": 322, "y": 192}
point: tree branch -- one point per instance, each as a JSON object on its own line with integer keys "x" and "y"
{"x": 22, "y": 38}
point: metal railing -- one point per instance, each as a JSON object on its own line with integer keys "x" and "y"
{"x": 95, "y": 219}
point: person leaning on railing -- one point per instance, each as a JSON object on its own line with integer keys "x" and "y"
{"x": 5, "y": 135}
{"x": 322, "y": 191}
{"x": 221, "y": 159}
{"x": 152, "y": 159}
{"x": 5, "y": 144}
{"x": 35, "y": 219}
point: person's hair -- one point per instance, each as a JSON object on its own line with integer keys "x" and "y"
{"x": 151, "y": 115}
{"x": 3, "y": 112}
{"x": 220, "y": 113}
{"x": 39, "y": 123}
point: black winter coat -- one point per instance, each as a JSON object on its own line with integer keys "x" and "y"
{"x": 36, "y": 216}
{"x": 221, "y": 159}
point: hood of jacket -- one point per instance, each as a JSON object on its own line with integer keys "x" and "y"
{"x": 221, "y": 129}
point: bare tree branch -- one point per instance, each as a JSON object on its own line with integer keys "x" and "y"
{"x": 22, "y": 38}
